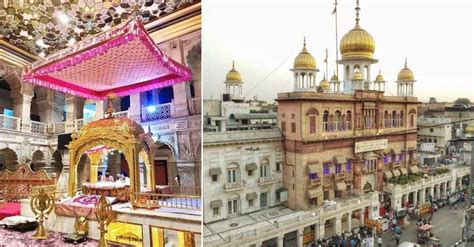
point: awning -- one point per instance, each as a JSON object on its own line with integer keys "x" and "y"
{"x": 387, "y": 175}
{"x": 340, "y": 159}
{"x": 123, "y": 60}
{"x": 403, "y": 171}
{"x": 216, "y": 204}
{"x": 251, "y": 196}
{"x": 215, "y": 171}
{"x": 312, "y": 168}
{"x": 413, "y": 169}
{"x": 314, "y": 193}
{"x": 251, "y": 167}
{"x": 340, "y": 186}
{"x": 370, "y": 156}
{"x": 396, "y": 172}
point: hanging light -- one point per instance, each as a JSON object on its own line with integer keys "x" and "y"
{"x": 63, "y": 17}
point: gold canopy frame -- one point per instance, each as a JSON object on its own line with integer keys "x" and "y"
{"x": 120, "y": 133}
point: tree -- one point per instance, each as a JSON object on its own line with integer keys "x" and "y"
{"x": 462, "y": 101}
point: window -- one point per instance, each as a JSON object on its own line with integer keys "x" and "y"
{"x": 326, "y": 170}
{"x": 394, "y": 119}
{"x": 250, "y": 172}
{"x": 250, "y": 203}
{"x": 325, "y": 120}
{"x": 435, "y": 140}
{"x": 401, "y": 119}
{"x": 313, "y": 176}
{"x": 264, "y": 171}
{"x": 410, "y": 154}
{"x": 277, "y": 166}
{"x": 349, "y": 165}
{"x": 412, "y": 120}
{"x": 431, "y": 129}
{"x": 326, "y": 195}
{"x": 348, "y": 120}
{"x": 283, "y": 127}
{"x": 293, "y": 127}
{"x": 231, "y": 178}
{"x": 394, "y": 158}
{"x": 312, "y": 124}
{"x": 385, "y": 159}
{"x": 215, "y": 211}
{"x": 337, "y": 120}
{"x": 214, "y": 178}
{"x": 283, "y": 115}
{"x": 338, "y": 168}
{"x": 232, "y": 206}
{"x": 401, "y": 156}
{"x": 292, "y": 116}
{"x": 386, "y": 119}
{"x": 263, "y": 199}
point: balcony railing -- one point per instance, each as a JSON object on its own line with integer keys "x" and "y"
{"x": 340, "y": 176}
{"x": 185, "y": 190}
{"x": 38, "y": 128}
{"x": 151, "y": 201}
{"x": 121, "y": 114}
{"x": 194, "y": 105}
{"x": 266, "y": 180}
{"x": 315, "y": 182}
{"x": 59, "y": 128}
{"x": 157, "y": 112}
{"x": 10, "y": 123}
{"x": 234, "y": 186}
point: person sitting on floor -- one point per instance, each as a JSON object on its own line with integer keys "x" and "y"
{"x": 107, "y": 177}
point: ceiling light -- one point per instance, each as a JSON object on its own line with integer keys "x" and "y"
{"x": 71, "y": 41}
{"x": 63, "y": 18}
{"x": 42, "y": 54}
{"x": 40, "y": 43}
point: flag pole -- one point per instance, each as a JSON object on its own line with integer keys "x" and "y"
{"x": 337, "y": 49}
{"x": 326, "y": 60}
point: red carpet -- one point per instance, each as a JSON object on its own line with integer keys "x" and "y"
{"x": 9, "y": 209}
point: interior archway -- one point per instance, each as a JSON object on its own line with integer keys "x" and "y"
{"x": 8, "y": 159}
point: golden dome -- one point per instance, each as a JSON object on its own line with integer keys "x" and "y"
{"x": 233, "y": 75}
{"x": 357, "y": 43}
{"x": 406, "y": 74}
{"x": 324, "y": 84}
{"x": 469, "y": 130}
{"x": 334, "y": 77}
{"x": 379, "y": 78}
{"x": 357, "y": 75}
{"x": 304, "y": 60}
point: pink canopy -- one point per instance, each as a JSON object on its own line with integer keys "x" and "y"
{"x": 123, "y": 60}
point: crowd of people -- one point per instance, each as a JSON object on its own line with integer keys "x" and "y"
{"x": 365, "y": 237}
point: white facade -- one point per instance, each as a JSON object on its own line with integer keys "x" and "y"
{"x": 435, "y": 130}
{"x": 239, "y": 165}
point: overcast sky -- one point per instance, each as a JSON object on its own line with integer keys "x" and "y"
{"x": 263, "y": 37}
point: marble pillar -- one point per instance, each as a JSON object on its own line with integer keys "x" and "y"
{"x": 338, "y": 227}
{"x": 22, "y": 98}
{"x": 135, "y": 107}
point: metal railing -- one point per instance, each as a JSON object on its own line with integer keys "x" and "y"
{"x": 235, "y": 185}
{"x": 121, "y": 114}
{"x": 151, "y": 201}
{"x": 38, "y": 128}
{"x": 194, "y": 105}
{"x": 185, "y": 190}
{"x": 10, "y": 123}
{"x": 267, "y": 179}
{"x": 157, "y": 112}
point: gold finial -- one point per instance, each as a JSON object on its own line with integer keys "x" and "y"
{"x": 406, "y": 63}
{"x": 233, "y": 65}
{"x": 380, "y": 72}
{"x": 304, "y": 41}
{"x": 357, "y": 8}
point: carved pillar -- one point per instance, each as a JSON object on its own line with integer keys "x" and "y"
{"x": 74, "y": 110}
{"x": 185, "y": 163}
{"x": 94, "y": 166}
{"x": 22, "y": 97}
{"x": 338, "y": 227}
{"x": 44, "y": 100}
{"x": 135, "y": 107}
{"x": 64, "y": 176}
{"x": 99, "y": 110}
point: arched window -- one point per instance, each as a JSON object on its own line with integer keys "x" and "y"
{"x": 337, "y": 121}
{"x": 394, "y": 119}
{"x": 264, "y": 168}
{"x": 349, "y": 120}
{"x": 412, "y": 114}
{"x": 312, "y": 121}
{"x": 402, "y": 119}
{"x": 325, "y": 120}
{"x": 331, "y": 122}
{"x": 386, "y": 119}
{"x": 233, "y": 173}
{"x": 366, "y": 73}
{"x": 346, "y": 75}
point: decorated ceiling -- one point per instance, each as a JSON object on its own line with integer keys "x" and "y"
{"x": 43, "y": 27}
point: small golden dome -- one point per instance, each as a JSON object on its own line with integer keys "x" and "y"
{"x": 379, "y": 78}
{"x": 469, "y": 130}
{"x": 334, "y": 77}
{"x": 324, "y": 84}
{"x": 233, "y": 75}
{"x": 406, "y": 74}
{"x": 357, "y": 75}
{"x": 304, "y": 60}
{"x": 357, "y": 43}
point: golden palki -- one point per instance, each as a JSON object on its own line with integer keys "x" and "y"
{"x": 41, "y": 204}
